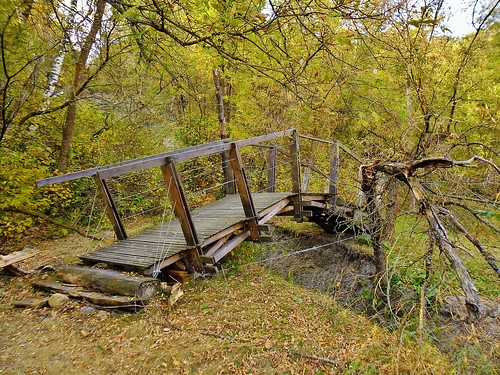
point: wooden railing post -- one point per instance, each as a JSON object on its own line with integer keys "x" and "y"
{"x": 307, "y": 178}
{"x": 244, "y": 191}
{"x": 271, "y": 172}
{"x": 296, "y": 180}
{"x": 334, "y": 171}
{"x": 111, "y": 209}
{"x": 181, "y": 209}
{"x": 229, "y": 183}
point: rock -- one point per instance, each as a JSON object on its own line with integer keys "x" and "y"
{"x": 87, "y": 309}
{"x": 58, "y": 300}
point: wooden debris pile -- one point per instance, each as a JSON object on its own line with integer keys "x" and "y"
{"x": 103, "y": 288}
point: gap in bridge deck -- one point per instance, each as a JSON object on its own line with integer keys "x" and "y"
{"x": 166, "y": 240}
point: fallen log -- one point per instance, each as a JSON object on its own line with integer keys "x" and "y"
{"x": 32, "y": 303}
{"x": 110, "y": 282}
{"x": 93, "y": 297}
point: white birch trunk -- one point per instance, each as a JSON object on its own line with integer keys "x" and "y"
{"x": 55, "y": 71}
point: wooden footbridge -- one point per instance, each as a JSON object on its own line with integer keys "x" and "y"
{"x": 201, "y": 237}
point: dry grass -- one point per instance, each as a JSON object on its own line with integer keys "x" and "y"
{"x": 248, "y": 322}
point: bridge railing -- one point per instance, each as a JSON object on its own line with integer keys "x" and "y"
{"x": 333, "y": 162}
{"x": 168, "y": 180}
{"x": 106, "y": 180}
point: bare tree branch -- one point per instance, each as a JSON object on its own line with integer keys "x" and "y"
{"x": 487, "y": 255}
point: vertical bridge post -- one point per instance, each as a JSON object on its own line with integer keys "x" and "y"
{"x": 181, "y": 209}
{"x": 271, "y": 172}
{"x": 244, "y": 191}
{"x": 229, "y": 183}
{"x": 334, "y": 171}
{"x": 296, "y": 180}
{"x": 111, "y": 210}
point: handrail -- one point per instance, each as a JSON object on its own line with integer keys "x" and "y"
{"x": 116, "y": 169}
{"x": 144, "y": 162}
{"x": 341, "y": 145}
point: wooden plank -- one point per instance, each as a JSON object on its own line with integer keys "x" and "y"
{"x": 17, "y": 256}
{"x": 92, "y": 297}
{"x": 230, "y": 245}
{"x": 213, "y": 249}
{"x": 222, "y": 234}
{"x": 295, "y": 168}
{"x": 164, "y": 263}
{"x": 314, "y": 204}
{"x": 206, "y": 259}
{"x": 111, "y": 210}
{"x": 264, "y": 138}
{"x": 307, "y": 177}
{"x": 244, "y": 191}
{"x": 181, "y": 210}
{"x": 191, "y": 154}
{"x": 123, "y": 167}
{"x": 334, "y": 172}
{"x": 271, "y": 172}
{"x": 277, "y": 209}
{"x": 316, "y": 197}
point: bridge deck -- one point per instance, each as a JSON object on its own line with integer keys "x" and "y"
{"x": 212, "y": 222}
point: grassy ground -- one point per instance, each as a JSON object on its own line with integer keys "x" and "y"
{"x": 244, "y": 321}
{"x": 247, "y": 322}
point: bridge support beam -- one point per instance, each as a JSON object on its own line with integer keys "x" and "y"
{"x": 244, "y": 191}
{"x": 271, "y": 172}
{"x": 111, "y": 210}
{"x": 181, "y": 209}
{"x": 296, "y": 180}
{"x": 334, "y": 169}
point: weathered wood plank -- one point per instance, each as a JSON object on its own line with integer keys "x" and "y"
{"x": 296, "y": 180}
{"x": 244, "y": 191}
{"x": 182, "y": 211}
{"x": 271, "y": 172}
{"x": 334, "y": 172}
{"x": 111, "y": 210}
{"x": 92, "y": 297}
{"x": 162, "y": 247}
{"x": 17, "y": 256}
{"x": 123, "y": 167}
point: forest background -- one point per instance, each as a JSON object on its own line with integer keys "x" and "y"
{"x": 88, "y": 84}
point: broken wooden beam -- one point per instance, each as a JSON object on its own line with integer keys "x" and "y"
{"x": 95, "y": 298}
{"x": 17, "y": 256}
{"x": 178, "y": 276}
{"x": 32, "y": 303}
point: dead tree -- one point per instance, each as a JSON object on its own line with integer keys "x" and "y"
{"x": 433, "y": 213}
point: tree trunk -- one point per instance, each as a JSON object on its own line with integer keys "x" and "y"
{"x": 69, "y": 124}
{"x": 230, "y": 187}
{"x": 444, "y": 244}
{"x": 369, "y": 188}
{"x": 55, "y": 71}
{"x": 111, "y": 282}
